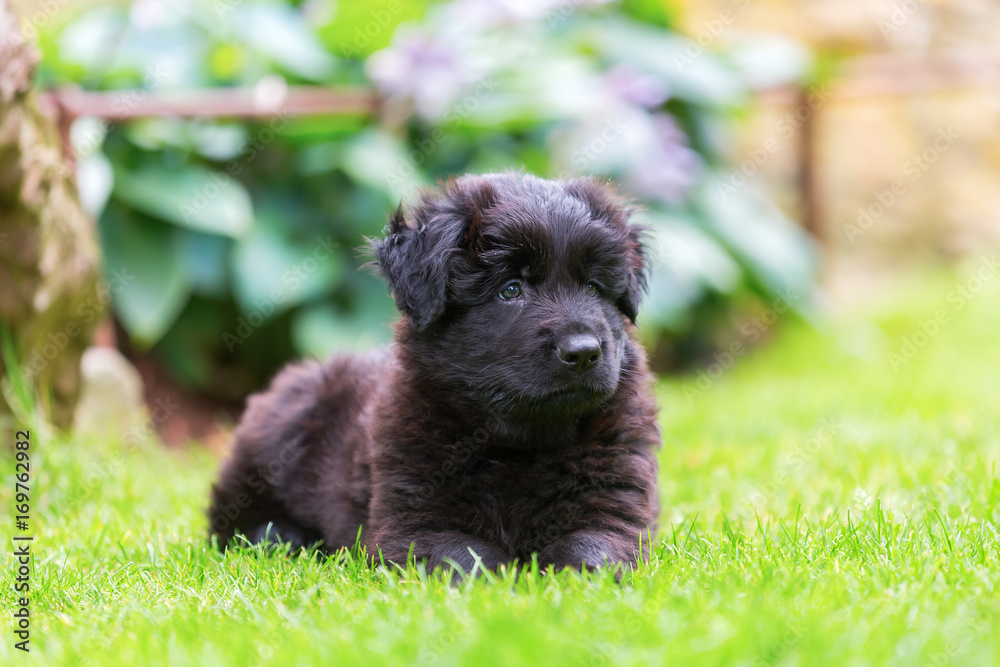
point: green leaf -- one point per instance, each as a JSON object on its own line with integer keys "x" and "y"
{"x": 777, "y": 253}
{"x": 189, "y": 196}
{"x": 689, "y": 253}
{"x": 204, "y": 257}
{"x": 685, "y": 264}
{"x": 85, "y": 41}
{"x": 321, "y": 330}
{"x": 115, "y": 52}
{"x": 655, "y": 12}
{"x": 215, "y": 141}
{"x": 271, "y": 273}
{"x": 380, "y": 160}
{"x": 281, "y": 34}
{"x": 528, "y": 95}
{"x": 144, "y": 272}
{"x": 690, "y": 71}
{"x": 769, "y": 61}
{"x": 189, "y": 348}
{"x": 358, "y": 29}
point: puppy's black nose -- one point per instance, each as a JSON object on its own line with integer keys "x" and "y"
{"x": 581, "y": 351}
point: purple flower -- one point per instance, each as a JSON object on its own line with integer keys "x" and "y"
{"x": 633, "y": 87}
{"x": 431, "y": 72}
{"x": 667, "y": 166}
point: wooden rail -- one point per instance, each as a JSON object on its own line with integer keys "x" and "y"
{"x": 858, "y": 78}
{"x": 120, "y": 105}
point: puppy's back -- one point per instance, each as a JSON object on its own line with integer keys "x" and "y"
{"x": 299, "y": 469}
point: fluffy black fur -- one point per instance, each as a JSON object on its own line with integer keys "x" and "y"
{"x": 507, "y": 420}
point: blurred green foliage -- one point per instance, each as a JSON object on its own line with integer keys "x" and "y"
{"x": 241, "y": 239}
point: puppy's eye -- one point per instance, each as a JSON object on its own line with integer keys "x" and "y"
{"x": 510, "y": 291}
{"x": 592, "y": 288}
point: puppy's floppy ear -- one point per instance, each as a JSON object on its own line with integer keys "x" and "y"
{"x": 417, "y": 251}
{"x": 638, "y": 275}
{"x": 416, "y": 274}
{"x": 605, "y": 205}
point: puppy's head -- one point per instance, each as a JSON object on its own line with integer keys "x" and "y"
{"x": 517, "y": 291}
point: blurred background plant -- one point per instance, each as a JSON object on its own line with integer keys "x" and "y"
{"x": 236, "y": 243}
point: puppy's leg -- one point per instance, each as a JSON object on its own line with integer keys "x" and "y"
{"x": 283, "y": 530}
{"x": 260, "y": 489}
{"x": 438, "y": 548}
{"x": 244, "y": 502}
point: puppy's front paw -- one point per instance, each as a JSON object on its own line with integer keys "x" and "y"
{"x": 590, "y": 549}
{"x": 446, "y": 549}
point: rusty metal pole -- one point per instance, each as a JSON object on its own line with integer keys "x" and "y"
{"x": 809, "y": 176}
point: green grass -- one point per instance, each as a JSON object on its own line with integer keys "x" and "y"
{"x": 874, "y": 541}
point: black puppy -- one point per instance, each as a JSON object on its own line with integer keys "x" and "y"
{"x": 513, "y": 415}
